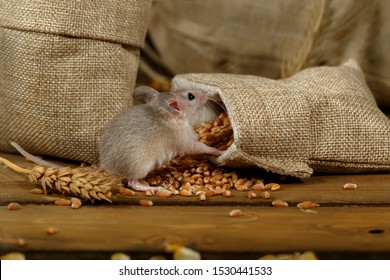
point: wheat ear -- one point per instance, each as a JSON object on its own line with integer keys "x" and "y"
{"x": 85, "y": 182}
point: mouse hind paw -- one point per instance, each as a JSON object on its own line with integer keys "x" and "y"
{"x": 137, "y": 186}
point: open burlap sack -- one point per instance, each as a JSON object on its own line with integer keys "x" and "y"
{"x": 274, "y": 39}
{"x": 66, "y": 67}
{"x": 323, "y": 119}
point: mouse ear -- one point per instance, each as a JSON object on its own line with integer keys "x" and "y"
{"x": 168, "y": 101}
{"x": 144, "y": 94}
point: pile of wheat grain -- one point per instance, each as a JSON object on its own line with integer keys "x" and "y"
{"x": 217, "y": 133}
{"x": 190, "y": 176}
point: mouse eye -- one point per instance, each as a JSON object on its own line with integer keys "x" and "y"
{"x": 191, "y": 96}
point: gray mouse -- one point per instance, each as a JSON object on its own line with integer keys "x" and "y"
{"x": 145, "y": 137}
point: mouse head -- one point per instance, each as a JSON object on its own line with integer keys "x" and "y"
{"x": 182, "y": 103}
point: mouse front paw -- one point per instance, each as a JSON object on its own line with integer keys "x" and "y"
{"x": 217, "y": 160}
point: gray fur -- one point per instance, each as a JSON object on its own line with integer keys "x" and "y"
{"x": 145, "y": 137}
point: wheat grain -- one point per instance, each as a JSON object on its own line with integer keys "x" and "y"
{"x": 20, "y": 242}
{"x": 251, "y": 194}
{"x": 307, "y": 204}
{"x": 265, "y": 195}
{"x": 146, "y": 202}
{"x": 13, "y": 256}
{"x": 235, "y": 213}
{"x": 62, "y": 202}
{"x": 14, "y": 206}
{"x": 51, "y": 230}
{"x": 76, "y": 203}
{"x": 36, "y": 191}
{"x": 350, "y": 186}
{"x": 272, "y": 186}
{"x": 120, "y": 256}
{"x": 258, "y": 187}
{"x": 279, "y": 203}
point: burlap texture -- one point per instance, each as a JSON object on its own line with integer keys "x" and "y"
{"x": 323, "y": 119}
{"x": 274, "y": 39}
{"x": 67, "y": 67}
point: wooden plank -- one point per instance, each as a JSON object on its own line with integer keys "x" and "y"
{"x": 326, "y": 190}
{"x": 338, "y": 226}
{"x": 207, "y": 229}
{"x": 373, "y": 189}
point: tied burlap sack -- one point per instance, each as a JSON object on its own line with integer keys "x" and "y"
{"x": 66, "y": 67}
{"x": 274, "y": 39}
{"x": 323, "y": 119}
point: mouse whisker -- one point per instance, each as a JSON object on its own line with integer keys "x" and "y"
{"x": 215, "y": 106}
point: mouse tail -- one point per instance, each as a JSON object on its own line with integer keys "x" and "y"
{"x": 34, "y": 159}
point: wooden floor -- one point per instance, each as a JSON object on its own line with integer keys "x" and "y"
{"x": 349, "y": 224}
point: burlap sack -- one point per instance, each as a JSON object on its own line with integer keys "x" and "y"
{"x": 323, "y": 119}
{"x": 274, "y": 39}
{"x": 66, "y": 67}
